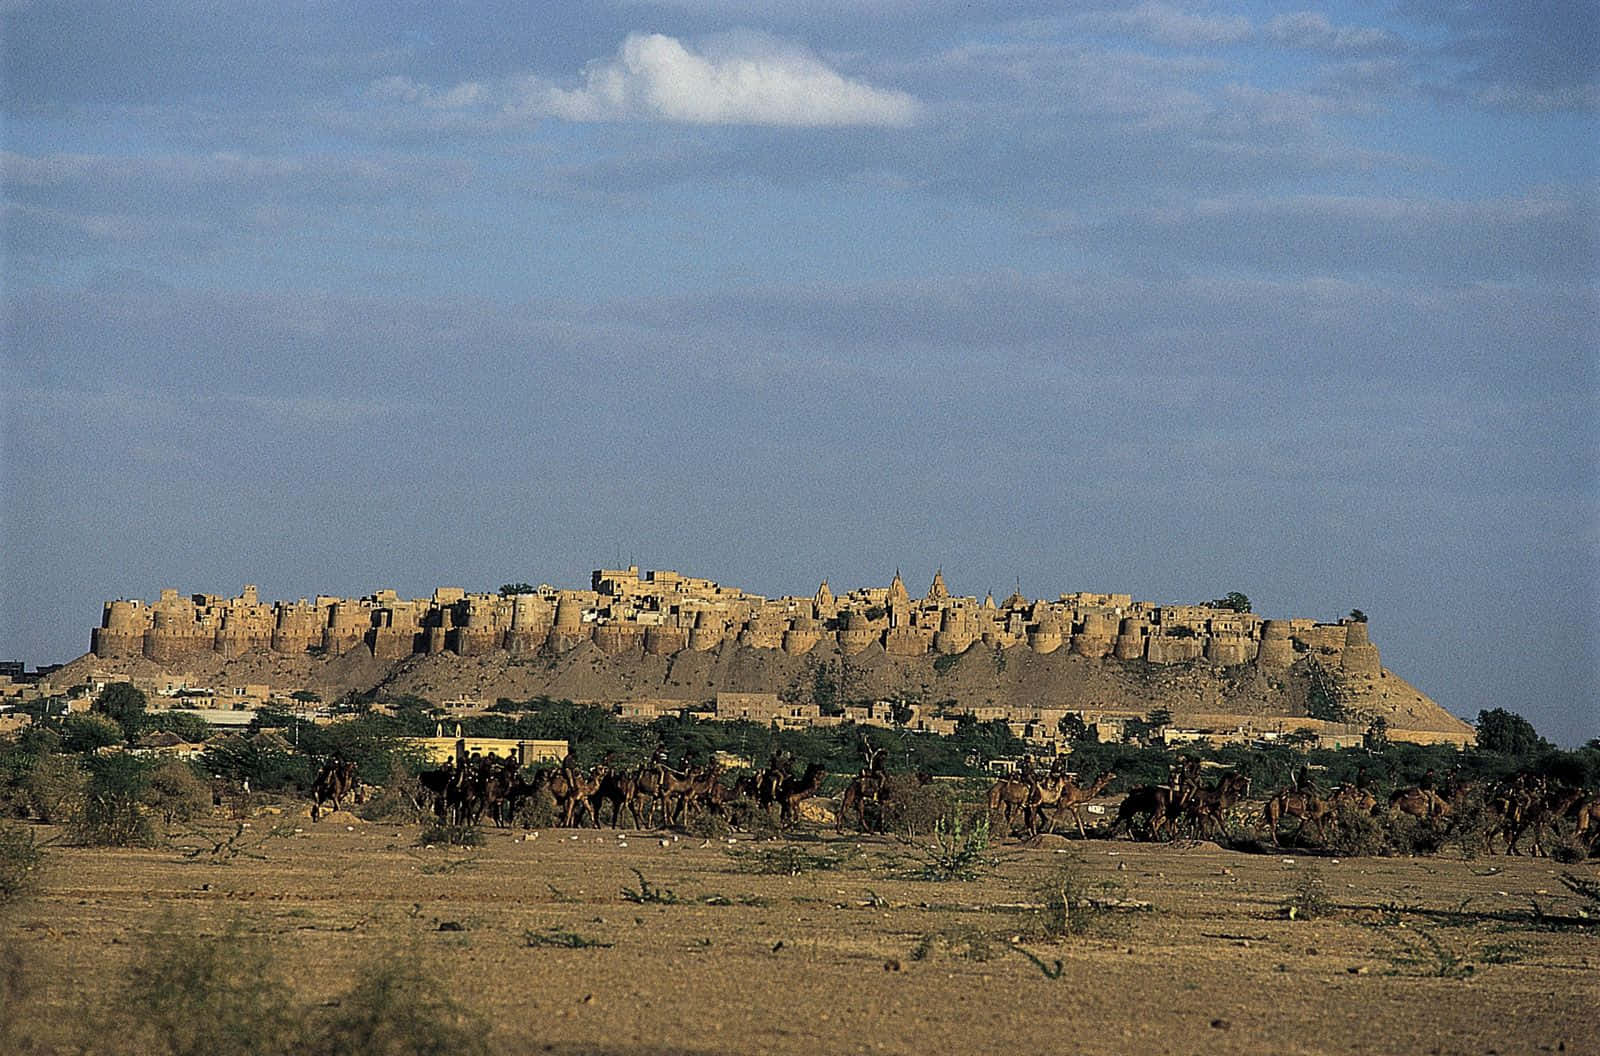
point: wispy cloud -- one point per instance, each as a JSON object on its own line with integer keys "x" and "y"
{"x": 1168, "y": 24}
{"x": 654, "y": 77}
{"x": 1312, "y": 30}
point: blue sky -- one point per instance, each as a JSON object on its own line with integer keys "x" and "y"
{"x": 1162, "y": 297}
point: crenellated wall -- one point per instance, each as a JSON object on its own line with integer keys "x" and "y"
{"x": 663, "y": 613}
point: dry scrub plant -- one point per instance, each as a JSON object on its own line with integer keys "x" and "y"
{"x": 20, "y": 861}
{"x": 195, "y": 995}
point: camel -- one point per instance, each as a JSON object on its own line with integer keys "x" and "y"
{"x": 1587, "y": 812}
{"x": 1209, "y": 806}
{"x": 864, "y": 788}
{"x": 334, "y": 781}
{"x": 1538, "y": 806}
{"x": 1424, "y": 804}
{"x": 572, "y": 790}
{"x": 796, "y": 790}
{"x": 621, "y": 790}
{"x": 1064, "y": 794}
{"x": 1154, "y": 800}
{"x": 1010, "y": 795}
{"x": 1309, "y": 807}
{"x": 433, "y": 786}
{"x": 1313, "y": 809}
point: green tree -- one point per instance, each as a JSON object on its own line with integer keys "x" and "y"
{"x": 125, "y": 703}
{"x": 1508, "y": 733}
{"x": 89, "y": 732}
{"x": 1357, "y": 616}
{"x": 185, "y": 724}
{"x": 1159, "y": 718}
{"x": 1376, "y": 739}
{"x": 509, "y": 589}
{"x": 1232, "y": 600}
{"x": 1073, "y": 729}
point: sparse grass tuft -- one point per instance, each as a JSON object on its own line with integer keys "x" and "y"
{"x": 561, "y": 940}
{"x": 437, "y": 833}
{"x": 1309, "y": 900}
{"x": 648, "y": 893}
{"x": 1073, "y": 906}
{"x": 790, "y": 860}
{"x": 1587, "y": 889}
{"x": 194, "y": 995}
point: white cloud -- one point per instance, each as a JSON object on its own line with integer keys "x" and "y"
{"x": 656, "y": 77}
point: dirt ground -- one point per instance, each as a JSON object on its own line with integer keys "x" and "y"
{"x": 696, "y": 952}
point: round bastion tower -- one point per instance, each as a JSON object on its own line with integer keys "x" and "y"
{"x": 1277, "y": 649}
{"x": 568, "y": 630}
{"x": 1044, "y": 636}
{"x": 1130, "y": 638}
{"x": 957, "y": 630}
{"x": 531, "y": 620}
{"x": 857, "y": 633}
{"x": 803, "y": 635}
{"x": 706, "y": 634}
{"x": 1359, "y": 658}
{"x": 122, "y": 629}
{"x": 665, "y": 639}
{"x": 1095, "y": 639}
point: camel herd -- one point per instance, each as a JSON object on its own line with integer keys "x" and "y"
{"x": 1029, "y": 803}
{"x": 650, "y": 794}
{"x": 1526, "y": 804}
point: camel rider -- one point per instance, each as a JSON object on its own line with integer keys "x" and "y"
{"x": 1302, "y": 780}
{"x": 1027, "y": 772}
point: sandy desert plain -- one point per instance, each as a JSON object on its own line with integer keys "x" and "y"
{"x": 650, "y": 943}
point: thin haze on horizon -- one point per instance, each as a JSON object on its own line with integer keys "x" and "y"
{"x": 1151, "y": 296}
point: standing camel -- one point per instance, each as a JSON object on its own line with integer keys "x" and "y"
{"x": 1067, "y": 795}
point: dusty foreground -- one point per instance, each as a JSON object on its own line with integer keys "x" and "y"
{"x": 696, "y": 952}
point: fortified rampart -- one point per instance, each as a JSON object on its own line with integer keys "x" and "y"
{"x": 663, "y": 613}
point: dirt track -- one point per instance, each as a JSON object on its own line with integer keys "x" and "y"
{"x": 860, "y": 959}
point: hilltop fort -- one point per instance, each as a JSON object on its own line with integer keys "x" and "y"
{"x": 660, "y": 636}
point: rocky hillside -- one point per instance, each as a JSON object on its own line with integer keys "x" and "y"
{"x": 1014, "y": 677}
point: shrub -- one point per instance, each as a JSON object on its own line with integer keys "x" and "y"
{"x": 393, "y": 802}
{"x": 397, "y": 1008}
{"x": 194, "y": 995}
{"x": 708, "y": 825}
{"x": 437, "y": 833}
{"x": 20, "y": 860}
{"x": 112, "y": 814}
{"x": 1569, "y": 849}
{"x": 1357, "y": 834}
{"x": 1309, "y": 900}
{"x": 175, "y": 792}
{"x": 750, "y": 816}
{"x": 537, "y": 812}
{"x": 911, "y": 808}
{"x": 55, "y": 787}
{"x": 1073, "y": 905}
{"x": 957, "y": 851}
